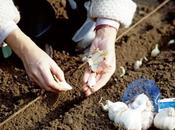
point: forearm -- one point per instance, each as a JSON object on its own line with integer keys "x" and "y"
{"x": 20, "y": 43}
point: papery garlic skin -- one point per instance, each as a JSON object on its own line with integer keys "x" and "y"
{"x": 95, "y": 59}
{"x": 165, "y": 119}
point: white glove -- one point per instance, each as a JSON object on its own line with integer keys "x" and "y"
{"x": 9, "y": 16}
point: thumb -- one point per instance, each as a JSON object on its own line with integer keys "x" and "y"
{"x": 59, "y": 78}
{"x": 57, "y": 72}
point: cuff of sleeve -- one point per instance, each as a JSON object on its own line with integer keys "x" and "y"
{"x": 118, "y": 10}
{"x": 109, "y": 22}
{"x": 6, "y": 30}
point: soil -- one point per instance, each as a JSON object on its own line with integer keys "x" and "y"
{"x": 71, "y": 110}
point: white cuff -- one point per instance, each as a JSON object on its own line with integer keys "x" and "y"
{"x": 6, "y": 30}
{"x": 104, "y": 21}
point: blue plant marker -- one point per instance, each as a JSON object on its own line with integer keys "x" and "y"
{"x": 166, "y": 103}
{"x": 139, "y": 86}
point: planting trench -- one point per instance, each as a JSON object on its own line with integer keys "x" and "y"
{"x": 23, "y": 106}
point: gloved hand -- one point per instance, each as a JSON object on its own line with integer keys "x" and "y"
{"x": 104, "y": 40}
{"x": 9, "y": 16}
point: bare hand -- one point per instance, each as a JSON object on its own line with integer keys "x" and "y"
{"x": 104, "y": 40}
{"x": 39, "y": 66}
{"x": 42, "y": 69}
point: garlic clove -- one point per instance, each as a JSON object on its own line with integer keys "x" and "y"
{"x": 62, "y": 84}
{"x": 155, "y": 51}
{"x": 145, "y": 58}
{"x": 92, "y": 80}
{"x": 137, "y": 64}
{"x": 123, "y": 71}
{"x": 171, "y": 42}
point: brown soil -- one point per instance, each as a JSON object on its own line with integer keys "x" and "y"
{"x": 70, "y": 110}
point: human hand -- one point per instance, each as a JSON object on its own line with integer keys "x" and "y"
{"x": 44, "y": 71}
{"x": 104, "y": 41}
{"x": 39, "y": 66}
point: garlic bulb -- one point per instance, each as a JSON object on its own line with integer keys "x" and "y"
{"x": 114, "y": 108}
{"x": 144, "y": 105}
{"x": 129, "y": 118}
{"x": 92, "y": 80}
{"x": 155, "y": 51}
{"x": 137, "y": 115}
{"x": 165, "y": 119}
{"x": 122, "y": 115}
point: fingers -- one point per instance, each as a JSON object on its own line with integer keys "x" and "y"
{"x": 37, "y": 78}
{"x": 101, "y": 80}
{"x": 44, "y": 78}
{"x": 87, "y": 90}
{"x": 57, "y": 72}
{"x": 86, "y": 76}
{"x": 52, "y": 83}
